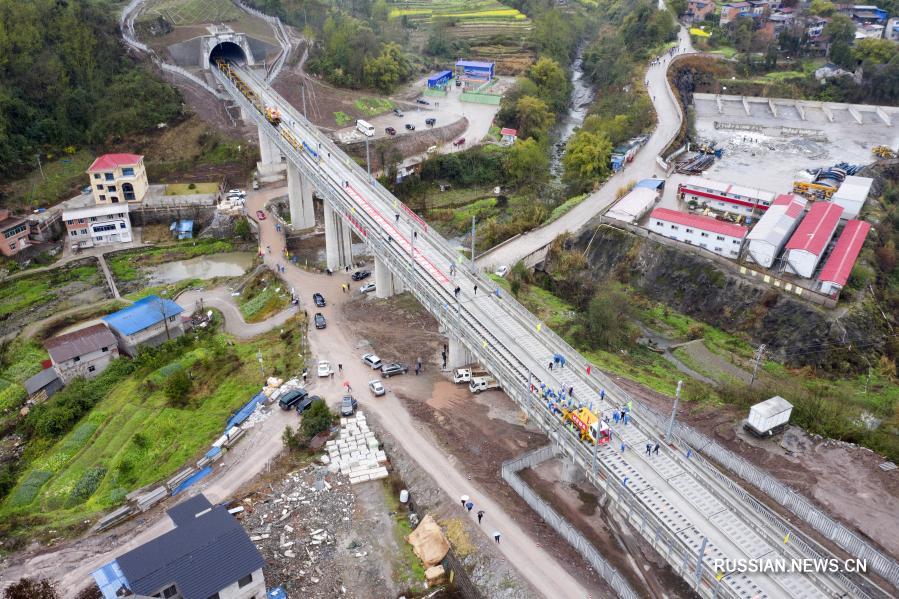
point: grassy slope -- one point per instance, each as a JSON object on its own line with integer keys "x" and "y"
{"x": 135, "y": 426}
{"x": 39, "y": 288}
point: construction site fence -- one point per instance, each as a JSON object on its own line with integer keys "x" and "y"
{"x": 458, "y": 577}
{"x": 568, "y": 532}
{"x": 740, "y": 270}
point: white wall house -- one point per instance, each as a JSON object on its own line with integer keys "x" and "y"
{"x": 722, "y": 238}
{"x": 770, "y": 234}
{"x": 725, "y": 197}
{"x": 851, "y": 195}
{"x": 97, "y": 225}
{"x": 808, "y": 243}
{"x": 82, "y": 353}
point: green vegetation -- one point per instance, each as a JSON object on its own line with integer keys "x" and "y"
{"x": 263, "y": 296}
{"x": 97, "y": 440}
{"x": 566, "y": 206}
{"x": 410, "y": 568}
{"x": 373, "y": 106}
{"x": 342, "y": 119}
{"x": 66, "y": 81}
{"x": 196, "y": 12}
{"x": 61, "y": 174}
{"x": 183, "y": 189}
{"x": 32, "y": 290}
{"x": 169, "y": 290}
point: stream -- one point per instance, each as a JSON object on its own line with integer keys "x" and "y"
{"x": 582, "y": 95}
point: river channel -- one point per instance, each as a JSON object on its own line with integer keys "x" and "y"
{"x": 582, "y": 96}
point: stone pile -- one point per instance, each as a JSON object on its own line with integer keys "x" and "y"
{"x": 357, "y": 452}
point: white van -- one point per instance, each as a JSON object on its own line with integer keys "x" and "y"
{"x": 482, "y": 383}
{"x": 366, "y": 129}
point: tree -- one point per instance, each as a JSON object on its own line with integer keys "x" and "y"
{"x": 177, "y": 388}
{"x": 553, "y": 83}
{"x": 527, "y": 163}
{"x": 821, "y": 8}
{"x": 742, "y": 34}
{"x": 874, "y": 51}
{"x": 90, "y": 592}
{"x": 841, "y": 54}
{"x": 316, "y": 419}
{"x": 242, "y": 228}
{"x": 586, "y": 158}
{"x": 534, "y": 117}
{"x": 388, "y": 69}
{"x": 606, "y": 322}
{"x": 31, "y": 588}
{"x": 840, "y": 29}
{"x": 554, "y": 35}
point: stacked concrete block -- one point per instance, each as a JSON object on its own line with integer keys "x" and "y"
{"x": 356, "y": 452}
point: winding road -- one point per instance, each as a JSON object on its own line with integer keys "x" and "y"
{"x": 669, "y": 119}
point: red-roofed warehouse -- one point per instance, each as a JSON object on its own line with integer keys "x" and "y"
{"x": 839, "y": 265}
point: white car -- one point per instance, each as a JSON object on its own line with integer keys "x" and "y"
{"x": 324, "y": 368}
{"x": 502, "y": 271}
{"x": 376, "y": 387}
{"x": 367, "y": 288}
{"x": 238, "y": 192}
{"x": 371, "y": 360}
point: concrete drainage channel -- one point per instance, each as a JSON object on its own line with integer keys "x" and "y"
{"x": 608, "y": 572}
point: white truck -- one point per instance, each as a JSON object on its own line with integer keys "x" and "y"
{"x": 769, "y": 417}
{"x": 482, "y": 383}
{"x": 463, "y": 375}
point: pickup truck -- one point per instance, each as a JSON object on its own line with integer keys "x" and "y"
{"x": 463, "y": 375}
{"x": 482, "y": 383}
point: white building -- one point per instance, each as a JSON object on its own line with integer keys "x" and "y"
{"x": 82, "y": 353}
{"x": 770, "y": 234}
{"x": 633, "y": 206}
{"x": 808, "y": 243}
{"x": 852, "y": 195}
{"x": 717, "y": 236}
{"x": 725, "y": 197}
{"x": 97, "y": 225}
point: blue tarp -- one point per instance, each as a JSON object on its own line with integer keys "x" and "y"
{"x": 194, "y": 478}
{"x": 654, "y": 184}
{"x": 245, "y": 411}
{"x": 213, "y": 452}
{"x": 142, "y": 314}
{"x": 278, "y": 593}
{"x": 110, "y": 579}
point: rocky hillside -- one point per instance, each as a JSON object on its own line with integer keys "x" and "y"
{"x": 796, "y": 332}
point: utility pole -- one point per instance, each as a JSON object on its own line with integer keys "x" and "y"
{"x": 673, "y": 412}
{"x": 758, "y": 360}
{"x": 259, "y": 357}
{"x": 41, "y": 168}
{"x": 472, "y": 242}
{"x": 303, "y": 94}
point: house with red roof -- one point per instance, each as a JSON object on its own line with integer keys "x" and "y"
{"x": 118, "y": 179}
{"x": 720, "y": 237}
{"x": 839, "y": 265}
{"x": 807, "y": 245}
{"x": 508, "y": 136}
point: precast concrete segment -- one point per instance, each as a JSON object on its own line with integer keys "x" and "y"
{"x": 299, "y": 195}
{"x": 503, "y": 339}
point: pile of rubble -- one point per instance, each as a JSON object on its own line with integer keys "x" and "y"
{"x": 296, "y": 527}
{"x": 357, "y": 453}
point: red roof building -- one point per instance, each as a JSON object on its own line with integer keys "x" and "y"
{"x": 108, "y": 162}
{"x": 807, "y": 245}
{"x": 720, "y": 237}
{"x": 839, "y": 265}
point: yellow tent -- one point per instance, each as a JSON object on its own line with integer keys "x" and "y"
{"x": 699, "y": 32}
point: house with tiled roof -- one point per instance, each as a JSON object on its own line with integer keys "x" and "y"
{"x": 85, "y": 352}
{"x": 118, "y": 178}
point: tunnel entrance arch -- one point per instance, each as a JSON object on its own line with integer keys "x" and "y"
{"x": 228, "y": 51}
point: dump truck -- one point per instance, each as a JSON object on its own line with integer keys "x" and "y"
{"x": 273, "y": 115}
{"x": 482, "y": 383}
{"x": 588, "y": 425}
{"x": 463, "y": 375}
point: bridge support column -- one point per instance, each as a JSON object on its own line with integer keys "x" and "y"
{"x": 338, "y": 241}
{"x": 572, "y": 472}
{"x": 299, "y": 194}
{"x": 268, "y": 152}
{"x": 383, "y": 280}
{"x": 458, "y": 355}
{"x": 398, "y": 286}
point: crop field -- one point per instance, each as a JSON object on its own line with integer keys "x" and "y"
{"x": 193, "y": 12}
{"x": 136, "y": 434}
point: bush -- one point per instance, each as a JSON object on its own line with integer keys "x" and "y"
{"x": 177, "y": 388}
{"x": 31, "y": 588}
{"x": 316, "y": 419}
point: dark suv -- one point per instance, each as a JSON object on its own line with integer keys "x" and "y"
{"x": 320, "y": 321}
{"x": 307, "y": 401}
{"x": 347, "y": 405}
{"x": 319, "y": 299}
{"x": 360, "y": 274}
{"x": 388, "y": 370}
{"x": 292, "y": 398}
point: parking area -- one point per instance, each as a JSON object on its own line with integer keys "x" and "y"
{"x": 446, "y": 110}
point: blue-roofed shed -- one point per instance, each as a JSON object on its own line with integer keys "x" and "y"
{"x": 145, "y": 323}
{"x": 653, "y": 184}
{"x": 183, "y": 229}
{"x": 474, "y": 69}
{"x": 440, "y": 79}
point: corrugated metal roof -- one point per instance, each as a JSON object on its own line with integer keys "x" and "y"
{"x": 816, "y": 228}
{"x": 705, "y": 223}
{"x": 202, "y": 555}
{"x": 779, "y": 221}
{"x": 142, "y": 314}
{"x": 80, "y": 342}
{"x": 108, "y": 162}
{"x": 634, "y": 205}
{"x": 89, "y": 211}
{"x": 474, "y": 63}
{"x": 854, "y": 189}
{"x": 772, "y": 406}
{"x": 842, "y": 258}
{"x": 722, "y": 187}
{"x": 40, "y": 380}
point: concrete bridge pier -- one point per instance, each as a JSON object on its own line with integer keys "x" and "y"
{"x": 458, "y": 355}
{"x": 384, "y": 280}
{"x": 270, "y": 167}
{"x": 338, "y": 240}
{"x": 299, "y": 194}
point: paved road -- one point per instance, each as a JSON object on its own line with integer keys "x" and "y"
{"x": 643, "y": 166}
{"x": 221, "y": 300}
